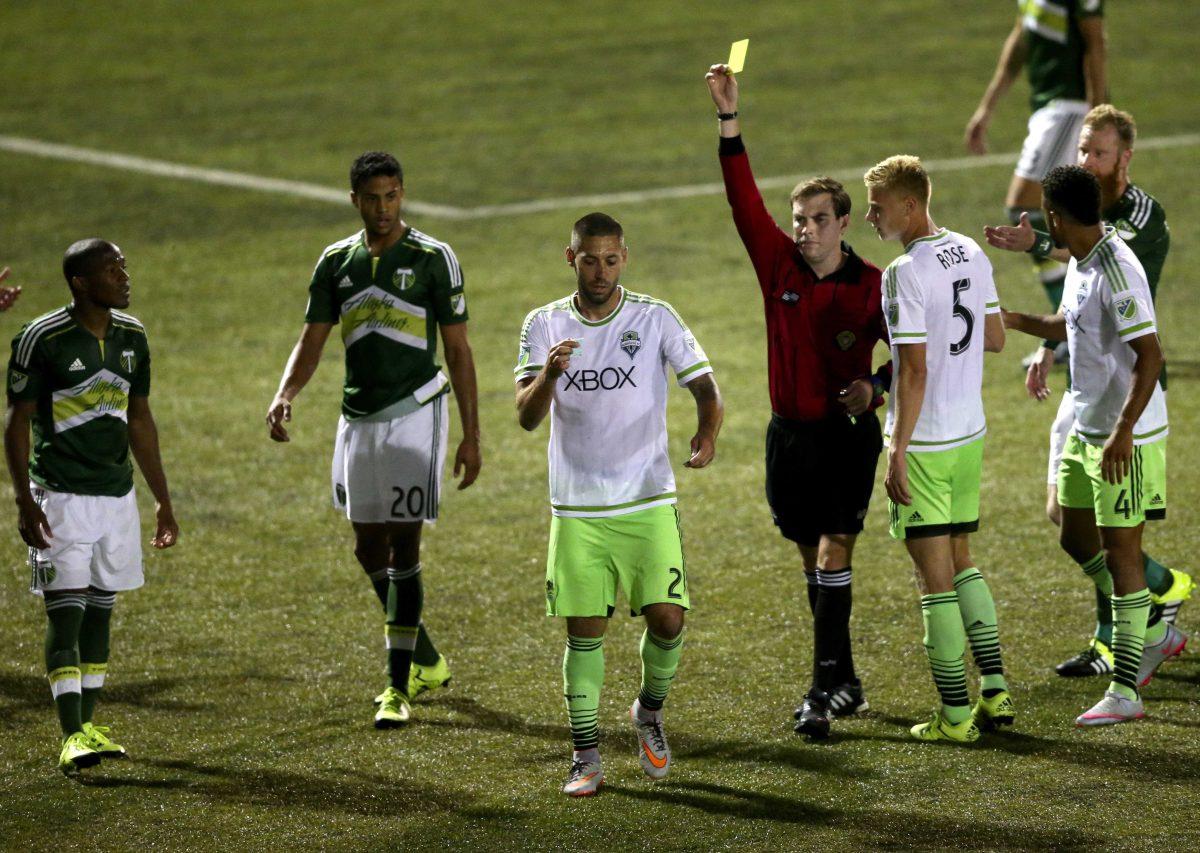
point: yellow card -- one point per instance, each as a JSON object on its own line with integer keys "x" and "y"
{"x": 737, "y": 56}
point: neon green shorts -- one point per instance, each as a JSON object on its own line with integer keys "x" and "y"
{"x": 944, "y": 485}
{"x": 1140, "y": 496}
{"x": 588, "y": 557}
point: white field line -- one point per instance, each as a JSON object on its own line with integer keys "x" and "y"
{"x": 241, "y": 180}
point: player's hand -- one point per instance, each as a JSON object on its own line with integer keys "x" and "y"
{"x": 468, "y": 460}
{"x": 8, "y": 295}
{"x": 704, "y": 448}
{"x": 1035, "y": 377}
{"x": 896, "y": 479}
{"x": 279, "y": 414}
{"x": 1011, "y": 238}
{"x": 857, "y": 397}
{"x": 166, "y": 530}
{"x": 976, "y": 135}
{"x": 722, "y": 85}
{"x": 559, "y": 358}
{"x": 1118, "y": 454}
{"x": 32, "y": 524}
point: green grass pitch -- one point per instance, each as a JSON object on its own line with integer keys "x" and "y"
{"x": 242, "y": 674}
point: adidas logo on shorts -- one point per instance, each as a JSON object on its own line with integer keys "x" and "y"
{"x": 77, "y": 365}
{"x": 1157, "y": 499}
{"x": 916, "y": 516}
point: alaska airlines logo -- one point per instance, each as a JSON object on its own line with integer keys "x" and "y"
{"x": 608, "y": 379}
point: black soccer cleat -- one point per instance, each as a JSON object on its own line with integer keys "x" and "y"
{"x": 1096, "y": 659}
{"x": 812, "y": 717}
{"x": 847, "y": 699}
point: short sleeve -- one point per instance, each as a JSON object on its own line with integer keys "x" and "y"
{"x": 140, "y": 386}
{"x": 449, "y": 300}
{"x": 904, "y": 305}
{"x": 322, "y": 307}
{"x": 533, "y": 348}
{"x": 25, "y": 372}
{"x": 1127, "y": 301}
{"x": 681, "y": 349}
{"x": 991, "y": 297}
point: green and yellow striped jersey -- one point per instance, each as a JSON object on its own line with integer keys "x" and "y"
{"x": 1054, "y": 61}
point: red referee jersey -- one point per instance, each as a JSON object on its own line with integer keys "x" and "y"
{"x": 820, "y": 331}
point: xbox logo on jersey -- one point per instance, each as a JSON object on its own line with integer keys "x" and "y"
{"x": 608, "y": 379}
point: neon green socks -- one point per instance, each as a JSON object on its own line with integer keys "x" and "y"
{"x": 660, "y": 658}
{"x": 583, "y": 678}
{"x": 978, "y": 611}
{"x": 1129, "y": 635}
{"x": 945, "y": 643}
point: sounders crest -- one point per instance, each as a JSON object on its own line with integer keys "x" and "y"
{"x": 631, "y": 343}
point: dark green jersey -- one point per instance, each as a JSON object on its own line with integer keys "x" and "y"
{"x": 82, "y": 387}
{"x": 1054, "y": 45}
{"x": 1142, "y": 224}
{"x": 389, "y": 308}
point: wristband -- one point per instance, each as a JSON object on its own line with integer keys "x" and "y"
{"x": 727, "y": 116}
{"x": 1042, "y": 245}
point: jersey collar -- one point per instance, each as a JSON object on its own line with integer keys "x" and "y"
{"x": 608, "y": 319}
{"x": 1109, "y": 233}
{"x": 941, "y": 232}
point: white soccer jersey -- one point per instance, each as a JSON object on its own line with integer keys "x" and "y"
{"x": 608, "y": 420}
{"x": 937, "y": 293}
{"x": 1107, "y": 303}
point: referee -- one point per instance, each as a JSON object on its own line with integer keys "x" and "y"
{"x": 823, "y": 313}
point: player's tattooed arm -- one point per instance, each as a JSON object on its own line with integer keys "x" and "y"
{"x": 143, "y": 441}
{"x": 710, "y": 412}
{"x": 535, "y": 395}
{"x": 460, "y": 361}
{"x": 31, "y": 521}
{"x": 301, "y": 366}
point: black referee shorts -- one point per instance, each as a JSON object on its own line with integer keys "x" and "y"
{"x": 820, "y": 474}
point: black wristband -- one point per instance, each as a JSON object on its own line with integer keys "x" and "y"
{"x": 727, "y": 116}
{"x": 1042, "y": 245}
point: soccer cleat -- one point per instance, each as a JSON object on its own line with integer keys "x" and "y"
{"x": 1096, "y": 659}
{"x": 98, "y": 739}
{"x": 1153, "y": 656}
{"x": 76, "y": 754}
{"x": 422, "y": 679}
{"x": 939, "y": 728}
{"x": 654, "y": 752}
{"x": 992, "y": 712}
{"x": 1113, "y": 708}
{"x": 585, "y": 778}
{"x": 812, "y": 717}
{"x": 393, "y": 709}
{"x": 1173, "y": 598}
{"x": 845, "y": 700}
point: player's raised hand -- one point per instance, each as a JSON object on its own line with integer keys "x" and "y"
{"x": 1011, "y": 238}
{"x": 704, "y": 448}
{"x": 32, "y": 524}
{"x": 857, "y": 397}
{"x": 558, "y": 360}
{"x": 468, "y": 459}
{"x": 722, "y": 85}
{"x": 166, "y": 530}
{"x": 976, "y": 133}
{"x": 8, "y": 294}
{"x": 1118, "y": 455}
{"x": 279, "y": 414}
{"x": 1035, "y": 377}
{"x": 896, "y": 479}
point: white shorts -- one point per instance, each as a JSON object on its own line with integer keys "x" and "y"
{"x": 1052, "y": 139}
{"x": 1059, "y": 430}
{"x": 392, "y": 470}
{"x": 96, "y": 541}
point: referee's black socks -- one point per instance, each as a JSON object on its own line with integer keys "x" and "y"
{"x": 831, "y": 629}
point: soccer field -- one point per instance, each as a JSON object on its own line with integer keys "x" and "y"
{"x": 242, "y": 674}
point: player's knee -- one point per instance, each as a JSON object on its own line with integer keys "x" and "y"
{"x": 665, "y": 622}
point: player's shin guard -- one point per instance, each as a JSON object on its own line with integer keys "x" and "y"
{"x": 405, "y": 600}
{"x": 660, "y": 659}
{"x": 583, "y": 678}
{"x": 831, "y": 627}
{"x": 64, "y": 614}
{"x": 1097, "y": 570}
{"x": 945, "y": 643}
{"x": 1129, "y": 635}
{"x": 94, "y": 647}
{"x": 978, "y": 611}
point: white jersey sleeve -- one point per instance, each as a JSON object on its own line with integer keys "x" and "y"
{"x": 1126, "y": 299}
{"x": 681, "y": 349}
{"x": 534, "y": 346}
{"x": 904, "y": 298}
{"x": 991, "y": 296}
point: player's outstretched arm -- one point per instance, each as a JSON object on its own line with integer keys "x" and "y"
{"x": 723, "y": 87}
{"x": 301, "y": 366}
{"x": 535, "y": 395}
{"x": 1023, "y": 238}
{"x": 710, "y": 412}
{"x": 1012, "y": 59}
{"x": 911, "y": 375}
{"x": 8, "y": 293}
{"x": 143, "y": 441}
{"x": 461, "y": 363}
{"x": 993, "y": 333}
{"x": 1118, "y": 449}
{"x": 1052, "y": 327}
{"x": 31, "y": 521}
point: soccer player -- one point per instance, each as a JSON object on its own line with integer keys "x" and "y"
{"x": 1115, "y": 461}
{"x": 822, "y": 305}
{"x": 80, "y": 376}
{"x": 1062, "y": 47}
{"x": 596, "y": 362}
{"x": 392, "y": 288}
{"x": 942, "y": 315}
{"x": 1105, "y": 149}
{"x": 8, "y": 293}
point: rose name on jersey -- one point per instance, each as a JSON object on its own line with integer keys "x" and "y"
{"x": 374, "y": 311}
{"x": 103, "y": 394}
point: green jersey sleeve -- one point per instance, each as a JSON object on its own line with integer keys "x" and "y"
{"x": 1151, "y": 244}
{"x": 24, "y": 376}
{"x": 449, "y": 299}
{"x": 322, "y": 306}
{"x": 140, "y": 385}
